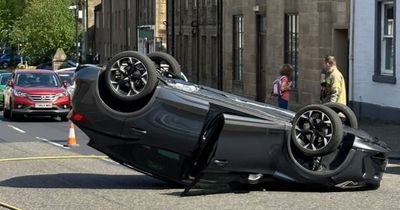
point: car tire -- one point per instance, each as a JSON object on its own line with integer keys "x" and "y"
{"x": 5, "y": 65}
{"x": 64, "y": 118}
{"x": 174, "y": 68}
{"x": 6, "y": 113}
{"x": 317, "y": 130}
{"x": 13, "y": 116}
{"x": 130, "y": 76}
{"x": 346, "y": 115}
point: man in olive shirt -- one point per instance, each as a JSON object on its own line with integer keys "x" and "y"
{"x": 333, "y": 87}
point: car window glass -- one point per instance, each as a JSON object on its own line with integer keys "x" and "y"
{"x": 4, "y": 79}
{"x": 66, "y": 77}
{"x": 38, "y": 80}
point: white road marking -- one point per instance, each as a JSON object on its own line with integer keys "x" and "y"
{"x": 17, "y": 129}
{"x": 50, "y": 142}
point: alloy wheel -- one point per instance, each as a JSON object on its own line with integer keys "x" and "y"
{"x": 129, "y": 76}
{"x": 313, "y": 130}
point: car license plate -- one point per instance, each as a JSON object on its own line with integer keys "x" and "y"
{"x": 43, "y": 105}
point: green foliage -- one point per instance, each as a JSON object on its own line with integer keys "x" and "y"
{"x": 10, "y": 11}
{"x": 45, "y": 26}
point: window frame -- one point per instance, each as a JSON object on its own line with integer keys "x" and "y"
{"x": 381, "y": 74}
{"x": 292, "y": 56}
{"x": 238, "y": 47}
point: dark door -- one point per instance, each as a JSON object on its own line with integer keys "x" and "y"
{"x": 260, "y": 56}
{"x": 341, "y": 53}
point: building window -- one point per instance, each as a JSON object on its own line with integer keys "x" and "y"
{"x": 238, "y": 32}
{"x": 385, "y": 42}
{"x": 291, "y": 44}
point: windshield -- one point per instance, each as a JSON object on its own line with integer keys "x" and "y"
{"x": 4, "y": 78}
{"x": 66, "y": 77}
{"x": 38, "y": 80}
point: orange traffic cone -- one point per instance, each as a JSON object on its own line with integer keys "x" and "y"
{"x": 71, "y": 141}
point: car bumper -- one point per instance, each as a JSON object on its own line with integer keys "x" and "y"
{"x": 29, "y": 111}
{"x": 367, "y": 165}
{"x": 23, "y": 106}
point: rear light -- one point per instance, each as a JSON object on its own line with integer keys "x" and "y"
{"x": 76, "y": 117}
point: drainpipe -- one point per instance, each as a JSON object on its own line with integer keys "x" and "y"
{"x": 219, "y": 41}
{"x": 137, "y": 25}
{"x": 351, "y": 54}
{"x": 126, "y": 26}
{"x": 111, "y": 26}
{"x": 198, "y": 43}
{"x": 171, "y": 27}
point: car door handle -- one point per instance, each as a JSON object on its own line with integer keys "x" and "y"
{"x": 220, "y": 163}
{"x": 138, "y": 131}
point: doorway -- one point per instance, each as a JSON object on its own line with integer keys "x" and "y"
{"x": 260, "y": 58}
{"x": 341, "y": 53}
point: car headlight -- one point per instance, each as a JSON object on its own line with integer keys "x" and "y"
{"x": 19, "y": 93}
{"x": 63, "y": 94}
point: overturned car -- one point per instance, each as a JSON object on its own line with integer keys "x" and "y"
{"x": 142, "y": 112}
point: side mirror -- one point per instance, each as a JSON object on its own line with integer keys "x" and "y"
{"x": 10, "y": 83}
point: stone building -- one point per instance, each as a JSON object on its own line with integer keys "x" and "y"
{"x": 197, "y": 41}
{"x": 129, "y": 25}
{"x": 90, "y": 17}
{"x": 235, "y": 46}
{"x": 259, "y": 36}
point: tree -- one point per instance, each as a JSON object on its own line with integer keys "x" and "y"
{"x": 10, "y": 12}
{"x": 45, "y": 26}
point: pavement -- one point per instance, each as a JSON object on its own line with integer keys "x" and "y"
{"x": 385, "y": 131}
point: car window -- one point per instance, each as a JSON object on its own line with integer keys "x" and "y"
{"x": 67, "y": 64}
{"x": 38, "y": 80}
{"x": 66, "y": 77}
{"x": 4, "y": 78}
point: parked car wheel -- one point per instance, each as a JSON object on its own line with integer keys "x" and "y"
{"x": 64, "y": 118}
{"x": 5, "y": 65}
{"x": 346, "y": 115}
{"x": 6, "y": 113}
{"x": 166, "y": 65}
{"x": 317, "y": 130}
{"x": 130, "y": 76}
{"x": 13, "y": 116}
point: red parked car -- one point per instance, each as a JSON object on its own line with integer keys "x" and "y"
{"x": 36, "y": 92}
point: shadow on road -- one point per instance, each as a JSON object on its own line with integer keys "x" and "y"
{"x": 33, "y": 119}
{"x": 87, "y": 181}
{"x": 101, "y": 181}
{"x": 276, "y": 186}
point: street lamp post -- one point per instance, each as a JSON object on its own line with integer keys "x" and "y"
{"x": 75, "y": 8}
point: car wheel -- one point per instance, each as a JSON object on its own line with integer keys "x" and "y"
{"x": 13, "y": 116}
{"x": 317, "y": 130}
{"x": 6, "y": 113}
{"x": 64, "y": 118}
{"x": 346, "y": 115}
{"x": 5, "y": 65}
{"x": 166, "y": 64}
{"x": 130, "y": 76}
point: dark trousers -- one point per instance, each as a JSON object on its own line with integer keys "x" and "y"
{"x": 282, "y": 103}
